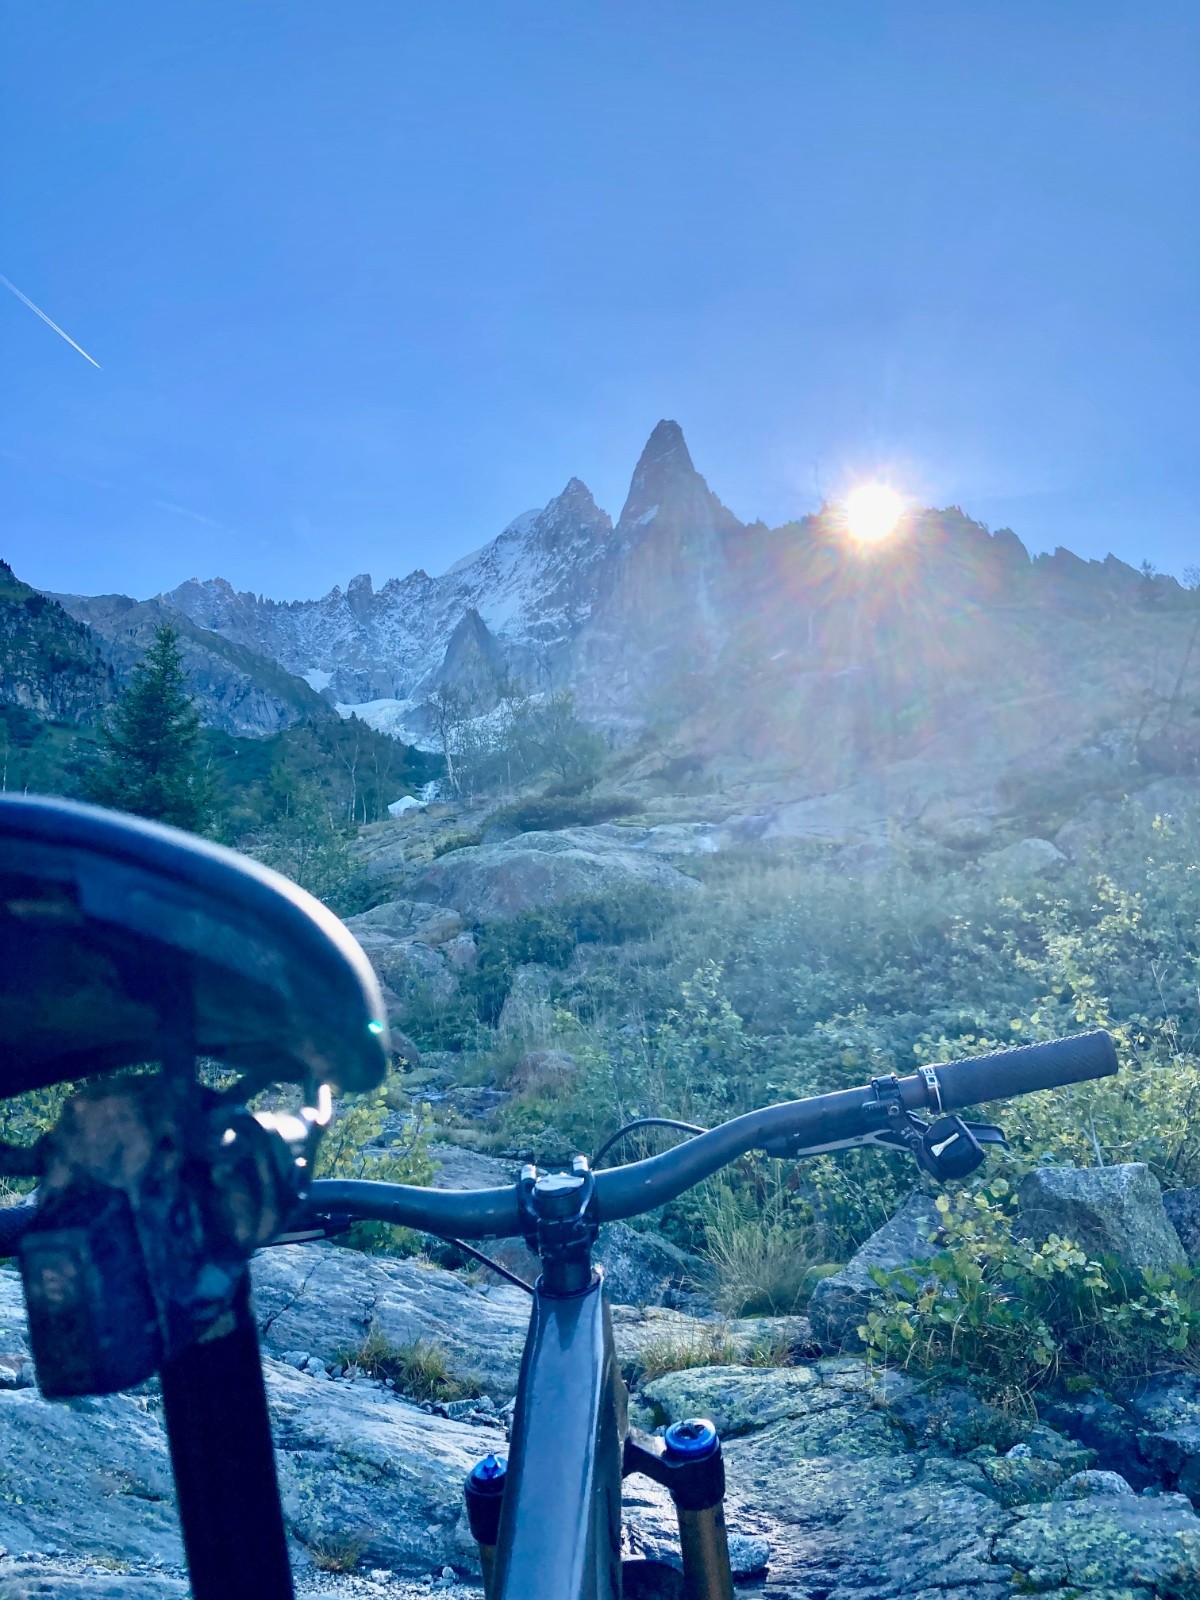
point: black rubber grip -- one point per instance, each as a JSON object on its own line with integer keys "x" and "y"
{"x": 1023, "y": 1071}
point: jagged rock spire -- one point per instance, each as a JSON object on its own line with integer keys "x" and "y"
{"x": 667, "y": 490}
{"x": 571, "y": 515}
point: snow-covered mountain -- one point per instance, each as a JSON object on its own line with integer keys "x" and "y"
{"x": 559, "y": 593}
{"x": 532, "y": 586}
{"x": 786, "y": 645}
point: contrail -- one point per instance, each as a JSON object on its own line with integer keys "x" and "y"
{"x": 38, "y": 312}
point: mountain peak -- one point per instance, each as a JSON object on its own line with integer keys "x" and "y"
{"x": 473, "y": 661}
{"x": 666, "y": 485}
{"x": 571, "y": 518}
{"x": 667, "y": 443}
{"x": 578, "y": 499}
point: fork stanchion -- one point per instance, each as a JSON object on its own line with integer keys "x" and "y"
{"x": 484, "y": 1494}
{"x": 697, "y": 1486}
{"x": 687, "y": 1462}
{"x": 704, "y": 1545}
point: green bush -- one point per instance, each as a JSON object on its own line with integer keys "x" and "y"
{"x": 545, "y": 813}
{"x": 1013, "y": 1317}
{"x": 349, "y": 1150}
{"x": 462, "y": 839}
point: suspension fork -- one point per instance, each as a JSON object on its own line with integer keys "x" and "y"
{"x": 687, "y": 1461}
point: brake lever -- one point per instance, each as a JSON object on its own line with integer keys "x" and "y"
{"x": 327, "y": 1226}
{"x": 946, "y": 1149}
{"x": 951, "y": 1148}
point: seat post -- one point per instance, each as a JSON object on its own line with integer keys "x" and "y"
{"x": 215, "y": 1404}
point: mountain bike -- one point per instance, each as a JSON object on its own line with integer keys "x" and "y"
{"x": 169, "y": 983}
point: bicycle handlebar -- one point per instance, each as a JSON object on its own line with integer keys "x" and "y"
{"x": 795, "y": 1128}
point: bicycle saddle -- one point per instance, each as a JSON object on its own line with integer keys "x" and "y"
{"x": 122, "y": 939}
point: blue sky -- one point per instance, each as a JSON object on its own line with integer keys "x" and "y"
{"x": 367, "y": 280}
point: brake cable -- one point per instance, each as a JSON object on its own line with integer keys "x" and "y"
{"x": 630, "y": 1127}
{"x": 470, "y": 1250}
{"x": 643, "y": 1122}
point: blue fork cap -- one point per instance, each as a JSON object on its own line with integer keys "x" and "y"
{"x": 691, "y": 1440}
{"x": 489, "y": 1473}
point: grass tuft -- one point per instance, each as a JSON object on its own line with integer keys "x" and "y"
{"x": 337, "y": 1551}
{"x": 420, "y": 1369}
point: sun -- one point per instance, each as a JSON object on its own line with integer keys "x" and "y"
{"x": 872, "y": 512}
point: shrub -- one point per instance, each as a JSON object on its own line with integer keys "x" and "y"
{"x": 461, "y": 840}
{"x": 307, "y": 844}
{"x": 337, "y": 1551}
{"x": 348, "y": 1150}
{"x": 547, "y": 936}
{"x": 508, "y": 736}
{"x": 24, "y": 1119}
{"x": 1012, "y": 1316}
{"x": 544, "y": 814}
{"x": 761, "y": 1240}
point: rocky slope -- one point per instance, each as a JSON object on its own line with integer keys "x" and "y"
{"x": 845, "y": 1482}
{"x": 233, "y": 688}
{"x": 50, "y": 663}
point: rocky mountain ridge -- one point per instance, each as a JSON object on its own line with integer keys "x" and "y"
{"x": 680, "y": 607}
{"x": 816, "y": 676}
{"x": 50, "y": 665}
{"x": 562, "y": 589}
{"x": 234, "y": 689}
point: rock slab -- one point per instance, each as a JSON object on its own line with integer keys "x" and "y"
{"x": 484, "y": 882}
{"x": 840, "y": 1302}
{"x": 1108, "y": 1211}
{"x": 1183, "y": 1209}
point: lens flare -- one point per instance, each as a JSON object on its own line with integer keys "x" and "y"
{"x": 872, "y": 512}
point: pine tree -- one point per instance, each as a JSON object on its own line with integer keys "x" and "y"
{"x": 151, "y": 744}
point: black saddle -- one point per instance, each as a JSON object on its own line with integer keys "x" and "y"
{"x": 121, "y": 940}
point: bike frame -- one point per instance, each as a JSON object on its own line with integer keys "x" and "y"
{"x": 560, "y": 1527}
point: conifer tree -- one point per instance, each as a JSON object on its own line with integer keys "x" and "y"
{"x": 150, "y": 763}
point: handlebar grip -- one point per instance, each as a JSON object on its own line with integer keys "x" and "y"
{"x": 1005, "y": 1073}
